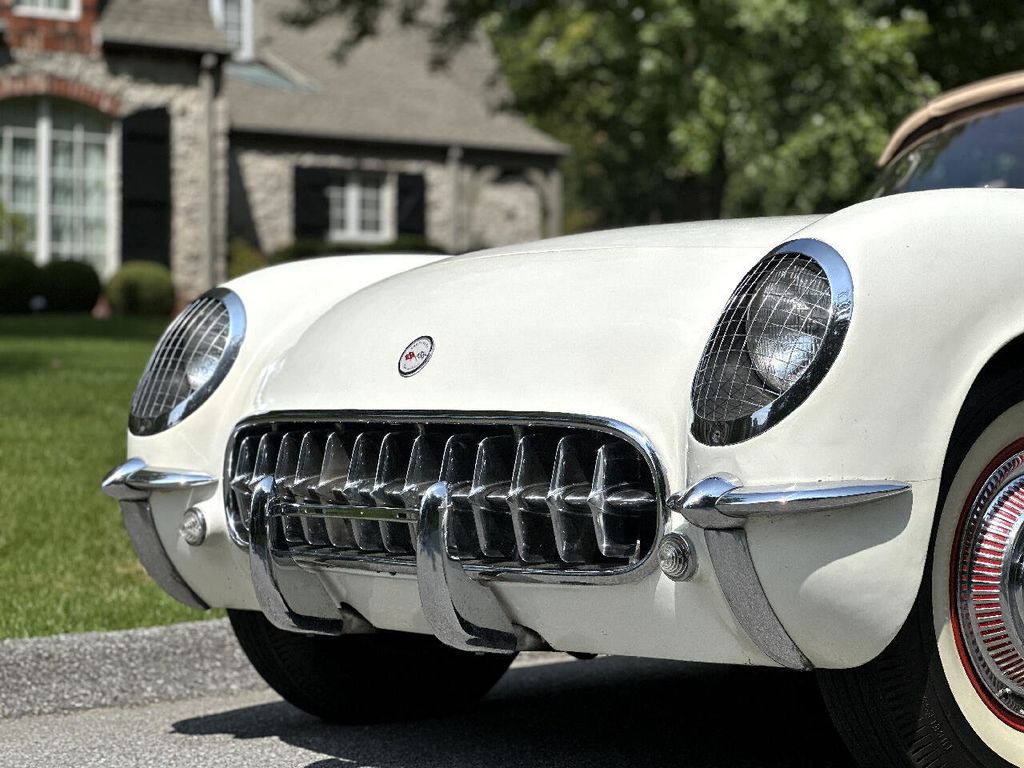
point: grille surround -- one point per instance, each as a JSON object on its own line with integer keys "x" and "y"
{"x": 725, "y": 363}
{"x": 317, "y": 558}
{"x": 163, "y": 396}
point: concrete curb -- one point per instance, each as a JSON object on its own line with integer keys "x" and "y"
{"x": 64, "y": 673}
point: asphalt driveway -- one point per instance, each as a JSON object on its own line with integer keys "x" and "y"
{"x": 605, "y": 712}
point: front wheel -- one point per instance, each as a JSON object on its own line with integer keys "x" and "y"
{"x": 949, "y": 690}
{"x": 365, "y": 678}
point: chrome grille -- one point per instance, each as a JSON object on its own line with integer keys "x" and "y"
{"x": 524, "y": 495}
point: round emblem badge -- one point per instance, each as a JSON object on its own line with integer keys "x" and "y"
{"x": 415, "y": 356}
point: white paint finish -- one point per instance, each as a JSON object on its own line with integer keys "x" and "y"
{"x": 613, "y": 324}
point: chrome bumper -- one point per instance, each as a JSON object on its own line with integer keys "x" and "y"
{"x": 458, "y": 604}
{"x": 721, "y": 506}
{"x": 132, "y": 484}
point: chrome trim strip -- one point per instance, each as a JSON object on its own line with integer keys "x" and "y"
{"x": 236, "y": 330}
{"x": 620, "y": 575}
{"x": 810, "y": 497}
{"x": 131, "y": 484}
{"x": 737, "y": 430}
{"x": 346, "y": 512}
{"x": 462, "y": 612}
{"x": 721, "y": 505}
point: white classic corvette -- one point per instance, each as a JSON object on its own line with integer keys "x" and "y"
{"x": 791, "y": 442}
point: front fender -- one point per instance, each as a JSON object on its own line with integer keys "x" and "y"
{"x": 280, "y": 303}
{"x": 933, "y": 302}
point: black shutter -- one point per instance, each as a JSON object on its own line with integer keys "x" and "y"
{"x": 311, "y": 207}
{"x": 412, "y": 204}
{"x": 146, "y": 187}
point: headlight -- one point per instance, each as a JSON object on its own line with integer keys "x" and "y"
{"x": 189, "y": 362}
{"x": 777, "y": 337}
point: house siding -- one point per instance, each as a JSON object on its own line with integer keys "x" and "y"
{"x": 468, "y": 204}
{"x": 128, "y": 82}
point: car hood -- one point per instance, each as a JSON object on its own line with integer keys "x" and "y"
{"x": 608, "y": 324}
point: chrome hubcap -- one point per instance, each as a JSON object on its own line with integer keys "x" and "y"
{"x": 988, "y": 587}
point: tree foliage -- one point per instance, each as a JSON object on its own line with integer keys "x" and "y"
{"x": 683, "y": 109}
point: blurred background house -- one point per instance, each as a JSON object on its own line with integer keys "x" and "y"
{"x": 161, "y": 130}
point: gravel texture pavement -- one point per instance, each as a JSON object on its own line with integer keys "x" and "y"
{"x": 603, "y": 713}
{"x": 118, "y": 669}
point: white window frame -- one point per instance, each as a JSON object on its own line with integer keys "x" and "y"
{"x": 43, "y": 251}
{"x": 350, "y": 194}
{"x": 73, "y": 13}
{"x": 246, "y": 50}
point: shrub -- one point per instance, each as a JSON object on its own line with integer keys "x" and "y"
{"x": 70, "y": 286}
{"x": 20, "y": 282}
{"x": 141, "y": 288}
{"x": 243, "y": 258}
{"x": 305, "y": 249}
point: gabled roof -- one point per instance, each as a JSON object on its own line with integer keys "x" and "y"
{"x": 948, "y": 106}
{"x": 170, "y": 24}
{"x": 384, "y": 91}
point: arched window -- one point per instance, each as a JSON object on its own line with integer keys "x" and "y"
{"x": 57, "y": 162}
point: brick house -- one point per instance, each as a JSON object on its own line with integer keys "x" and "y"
{"x": 161, "y": 129}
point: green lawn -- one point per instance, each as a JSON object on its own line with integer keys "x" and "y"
{"x": 65, "y": 561}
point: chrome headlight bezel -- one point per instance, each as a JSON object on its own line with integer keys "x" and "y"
{"x": 169, "y": 355}
{"x": 721, "y": 364}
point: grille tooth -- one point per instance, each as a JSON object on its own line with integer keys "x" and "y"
{"x": 266, "y": 460}
{"x": 284, "y": 483}
{"x": 358, "y": 487}
{"x": 457, "y": 468}
{"x": 492, "y": 471}
{"x": 244, "y": 462}
{"x": 571, "y": 484}
{"x": 616, "y": 473}
{"x": 330, "y": 489}
{"x": 307, "y": 475}
{"x": 531, "y": 476}
{"x": 424, "y": 469}
{"x": 388, "y": 484}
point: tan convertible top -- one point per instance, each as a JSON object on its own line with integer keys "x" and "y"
{"x": 951, "y": 103}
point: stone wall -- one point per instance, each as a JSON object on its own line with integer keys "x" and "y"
{"x": 137, "y": 81}
{"x": 467, "y": 206}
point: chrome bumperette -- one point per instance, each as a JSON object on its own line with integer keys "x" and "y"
{"x": 713, "y": 429}
{"x": 463, "y": 613}
{"x": 721, "y": 505}
{"x": 133, "y": 484}
{"x": 522, "y": 507}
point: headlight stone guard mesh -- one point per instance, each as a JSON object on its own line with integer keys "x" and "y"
{"x": 213, "y": 327}
{"x": 731, "y": 401}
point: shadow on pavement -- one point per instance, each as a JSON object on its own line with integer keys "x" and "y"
{"x": 605, "y": 712}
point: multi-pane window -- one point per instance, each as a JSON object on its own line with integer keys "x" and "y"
{"x": 54, "y": 8}
{"x": 235, "y": 20}
{"x": 19, "y": 170}
{"x": 54, "y": 177}
{"x": 360, "y": 208}
{"x": 78, "y": 185}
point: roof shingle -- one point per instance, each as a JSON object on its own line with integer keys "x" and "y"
{"x": 171, "y": 24}
{"x": 385, "y": 90}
